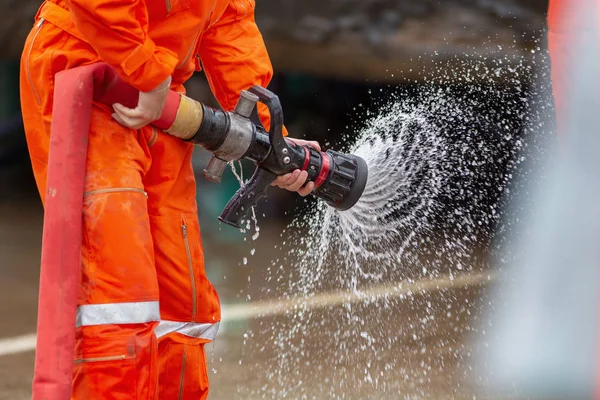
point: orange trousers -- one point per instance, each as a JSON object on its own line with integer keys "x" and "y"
{"x": 145, "y": 307}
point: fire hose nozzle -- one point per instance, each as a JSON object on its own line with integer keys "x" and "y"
{"x": 339, "y": 179}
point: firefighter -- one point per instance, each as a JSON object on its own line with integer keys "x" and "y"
{"x": 145, "y": 307}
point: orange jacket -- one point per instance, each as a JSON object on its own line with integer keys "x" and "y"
{"x": 148, "y": 40}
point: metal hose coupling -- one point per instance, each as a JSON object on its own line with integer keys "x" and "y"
{"x": 187, "y": 120}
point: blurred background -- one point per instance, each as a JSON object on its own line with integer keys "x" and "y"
{"x": 336, "y": 63}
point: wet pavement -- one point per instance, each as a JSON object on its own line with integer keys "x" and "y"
{"x": 416, "y": 348}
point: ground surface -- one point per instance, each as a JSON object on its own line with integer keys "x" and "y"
{"x": 424, "y": 361}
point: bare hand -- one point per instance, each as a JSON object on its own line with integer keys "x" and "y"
{"x": 295, "y": 181}
{"x": 148, "y": 110}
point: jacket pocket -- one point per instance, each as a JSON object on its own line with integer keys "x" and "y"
{"x": 112, "y": 360}
{"x": 188, "y": 253}
{"x": 115, "y": 190}
{"x": 118, "y": 365}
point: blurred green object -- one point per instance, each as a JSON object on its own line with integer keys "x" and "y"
{"x": 13, "y": 147}
{"x": 9, "y": 95}
{"x": 212, "y": 198}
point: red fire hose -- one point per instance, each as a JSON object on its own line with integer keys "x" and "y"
{"x": 74, "y": 94}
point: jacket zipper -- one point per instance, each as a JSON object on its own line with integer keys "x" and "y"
{"x": 182, "y": 381}
{"x": 191, "y": 267}
{"x": 100, "y": 359}
{"x": 115, "y": 190}
{"x": 168, "y": 4}
{"x": 153, "y": 137}
{"x": 190, "y": 51}
{"x": 199, "y": 66}
{"x": 39, "y": 29}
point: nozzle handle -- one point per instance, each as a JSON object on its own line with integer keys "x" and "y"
{"x": 247, "y": 197}
{"x": 278, "y": 143}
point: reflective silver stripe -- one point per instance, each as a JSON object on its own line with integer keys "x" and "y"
{"x": 118, "y": 313}
{"x": 191, "y": 329}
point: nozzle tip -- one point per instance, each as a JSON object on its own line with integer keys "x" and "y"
{"x": 358, "y": 187}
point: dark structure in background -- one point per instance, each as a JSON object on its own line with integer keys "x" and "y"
{"x": 330, "y": 56}
{"x": 374, "y": 42}
{"x": 355, "y": 39}
{"x": 372, "y": 39}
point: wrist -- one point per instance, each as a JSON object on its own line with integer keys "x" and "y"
{"x": 164, "y": 85}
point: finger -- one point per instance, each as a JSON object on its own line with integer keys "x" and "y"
{"x": 133, "y": 123}
{"x": 294, "y": 177}
{"x": 117, "y": 118}
{"x": 126, "y": 121}
{"x": 128, "y": 112}
{"x": 280, "y": 180}
{"x": 301, "y": 142}
{"x": 307, "y": 189}
{"x": 290, "y": 179}
{"x": 300, "y": 181}
{"x": 314, "y": 145}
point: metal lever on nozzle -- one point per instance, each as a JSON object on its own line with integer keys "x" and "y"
{"x": 278, "y": 143}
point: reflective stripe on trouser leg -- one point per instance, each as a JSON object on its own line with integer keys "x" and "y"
{"x": 118, "y": 313}
{"x": 195, "y": 330}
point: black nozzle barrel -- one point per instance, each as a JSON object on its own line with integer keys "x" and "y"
{"x": 345, "y": 181}
{"x": 213, "y": 129}
{"x": 340, "y": 179}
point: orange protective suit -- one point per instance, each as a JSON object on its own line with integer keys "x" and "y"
{"x": 145, "y": 307}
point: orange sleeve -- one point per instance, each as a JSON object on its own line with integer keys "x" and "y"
{"x": 234, "y": 57}
{"x": 118, "y": 32}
